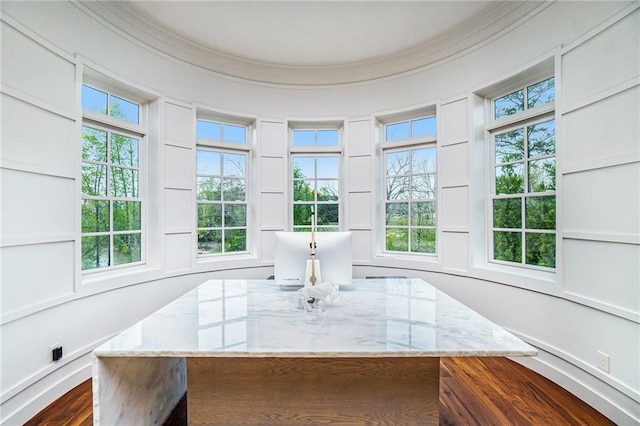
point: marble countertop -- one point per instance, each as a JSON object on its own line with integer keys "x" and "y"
{"x": 371, "y": 318}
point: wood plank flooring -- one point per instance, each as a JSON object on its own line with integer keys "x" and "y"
{"x": 473, "y": 391}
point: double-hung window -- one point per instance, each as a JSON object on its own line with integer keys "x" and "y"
{"x": 113, "y": 138}
{"x": 315, "y": 177}
{"x": 410, "y": 185}
{"x": 523, "y": 176}
{"x": 222, "y": 163}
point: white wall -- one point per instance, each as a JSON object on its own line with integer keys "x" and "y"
{"x": 592, "y": 303}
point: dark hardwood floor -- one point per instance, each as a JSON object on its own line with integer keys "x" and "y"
{"x": 473, "y": 391}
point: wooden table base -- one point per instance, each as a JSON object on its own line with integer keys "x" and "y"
{"x": 252, "y": 391}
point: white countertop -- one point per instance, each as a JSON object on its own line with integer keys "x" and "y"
{"x": 371, "y": 318}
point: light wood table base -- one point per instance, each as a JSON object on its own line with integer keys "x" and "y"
{"x": 251, "y": 391}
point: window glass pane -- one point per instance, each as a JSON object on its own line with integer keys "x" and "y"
{"x": 542, "y": 175}
{"x": 126, "y": 248}
{"x": 397, "y": 131}
{"x": 234, "y": 165}
{"x": 235, "y": 240}
{"x": 303, "y": 167}
{"x": 328, "y": 214}
{"x": 208, "y": 130}
{"x": 124, "y": 182}
{"x": 397, "y": 239}
{"x": 423, "y": 213}
{"x": 94, "y": 100}
{"x": 541, "y": 93}
{"x": 95, "y": 216}
{"x": 235, "y": 215}
{"x": 397, "y": 163}
{"x": 233, "y": 133}
{"x": 507, "y": 246}
{"x": 208, "y": 163}
{"x": 423, "y": 160}
{"x": 125, "y": 110}
{"x": 542, "y": 139}
{"x": 540, "y": 212}
{"x": 233, "y": 189}
{"x": 423, "y": 187}
{"x": 304, "y": 190}
{"x": 209, "y": 215}
{"x": 423, "y": 127}
{"x": 95, "y": 252}
{"x": 304, "y": 137}
{"x": 509, "y": 104}
{"x": 327, "y": 190}
{"x": 510, "y": 179}
{"x": 94, "y": 144}
{"x": 327, "y": 167}
{"x": 328, "y": 137}
{"x": 423, "y": 240}
{"x": 398, "y": 188}
{"x": 126, "y": 216}
{"x": 124, "y": 150}
{"x": 209, "y": 242}
{"x": 507, "y": 213}
{"x": 208, "y": 188}
{"x": 397, "y": 214}
{"x": 94, "y": 180}
{"x": 541, "y": 249}
{"x": 302, "y": 214}
{"x": 509, "y": 146}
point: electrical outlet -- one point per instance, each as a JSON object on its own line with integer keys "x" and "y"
{"x": 603, "y": 361}
{"x": 56, "y": 352}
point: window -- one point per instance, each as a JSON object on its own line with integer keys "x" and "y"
{"x": 112, "y": 203}
{"x": 410, "y": 185}
{"x": 410, "y": 129}
{"x": 221, "y": 188}
{"x": 315, "y": 177}
{"x": 523, "y": 199}
{"x": 208, "y": 129}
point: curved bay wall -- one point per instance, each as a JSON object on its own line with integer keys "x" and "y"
{"x": 591, "y": 303}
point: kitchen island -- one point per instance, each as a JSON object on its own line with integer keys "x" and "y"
{"x": 246, "y": 353}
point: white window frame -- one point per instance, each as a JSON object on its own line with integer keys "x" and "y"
{"x": 407, "y": 144}
{"x": 139, "y": 131}
{"x": 316, "y": 151}
{"x": 523, "y": 119}
{"x": 223, "y": 146}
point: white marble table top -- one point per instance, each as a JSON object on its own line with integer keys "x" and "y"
{"x": 371, "y": 318}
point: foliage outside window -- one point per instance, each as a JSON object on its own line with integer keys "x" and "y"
{"x": 315, "y": 177}
{"x": 316, "y": 190}
{"x": 410, "y": 182}
{"x": 410, "y": 204}
{"x": 110, "y": 105}
{"x": 221, "y": 192}
{"x": 111, "y": 212}
{"x": 525, "y": 98}
{"x": 524, "y": 183}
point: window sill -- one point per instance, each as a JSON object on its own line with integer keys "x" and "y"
{"x": 522, "y": 277}
{"x": 427, "y": 262}
{"x": 226, "y": 261}
{"x": 97, "y": 282}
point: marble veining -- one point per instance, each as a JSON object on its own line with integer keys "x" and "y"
{"x": 371, "y": 318}
{"x": 140, "y": 375}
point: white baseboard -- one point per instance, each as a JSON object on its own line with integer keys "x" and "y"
{"x": 30, "y": 401}
{"x": 613, "y": 404}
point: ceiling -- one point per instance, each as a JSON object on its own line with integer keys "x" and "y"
{"x": 311, "y": 41}
{"x": 310, "y": 32}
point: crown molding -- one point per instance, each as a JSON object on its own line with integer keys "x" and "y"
{"x": 468, "y": 36}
